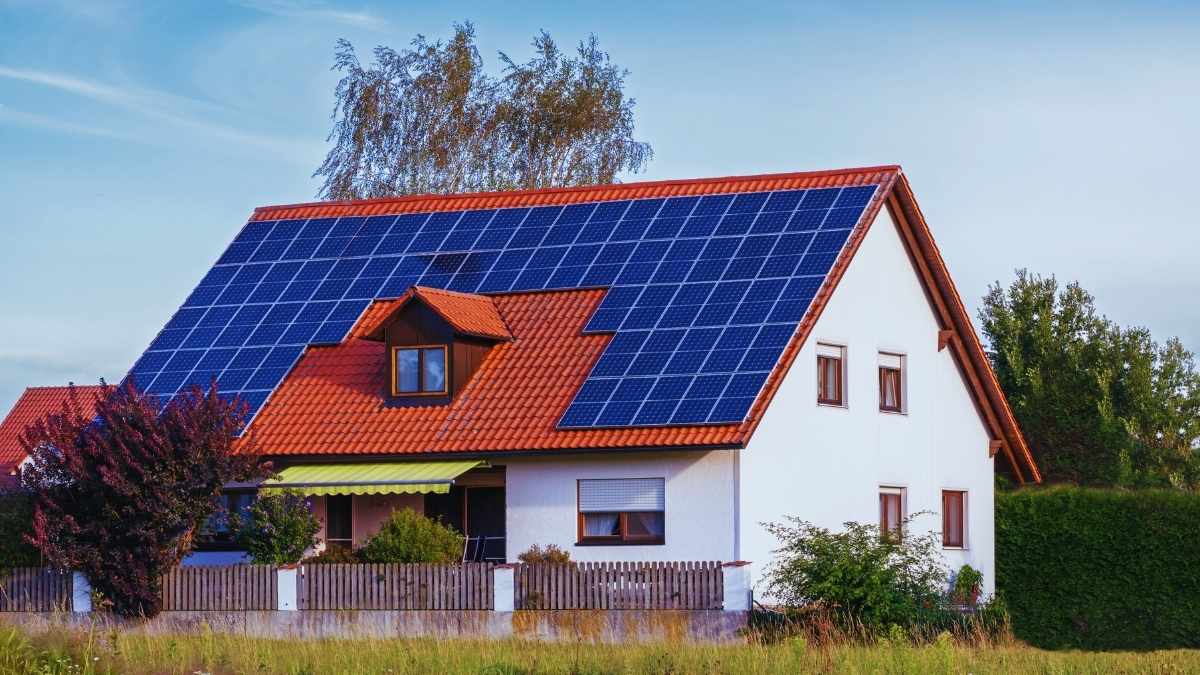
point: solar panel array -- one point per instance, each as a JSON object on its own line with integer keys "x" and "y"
{"x": 705, "y": 292}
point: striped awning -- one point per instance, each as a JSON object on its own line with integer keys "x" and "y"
{"x": 370, "y": 479}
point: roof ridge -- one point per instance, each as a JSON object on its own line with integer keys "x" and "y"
{"x": 583, "y": 188}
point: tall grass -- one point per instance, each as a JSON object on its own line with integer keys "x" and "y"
{"x": 83, "y": 652}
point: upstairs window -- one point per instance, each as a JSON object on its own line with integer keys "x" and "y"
{"x": 891, "y": 511}
{"x": 622, "y": 511}
{"x": 954, "y": 519}
{"x": 891, "y": 382}
{"x": 419, "y": 371}
{"x": 831, "y": 375}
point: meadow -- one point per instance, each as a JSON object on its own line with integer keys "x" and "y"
{"x": 96, "y": 652}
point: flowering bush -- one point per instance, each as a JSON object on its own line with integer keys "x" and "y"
{"x": 279, "y": 529}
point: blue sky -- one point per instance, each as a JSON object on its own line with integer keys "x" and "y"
{"x": 135, "y": 139}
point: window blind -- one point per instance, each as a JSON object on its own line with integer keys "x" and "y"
{"x": 622, "y": 494}
{"x": 831, "y": 351}
{"x": 890, "y": 360}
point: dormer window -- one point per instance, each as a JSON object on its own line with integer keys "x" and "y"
{"x": 434, "y": 341}
{"x": 419, "y": 370}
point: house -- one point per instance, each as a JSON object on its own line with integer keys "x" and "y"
{"x": 644, "y": 371}
{"x": 33, "y": 405}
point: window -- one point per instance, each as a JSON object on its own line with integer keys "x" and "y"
{"x": 234, "y": 506}
{"x": 954, "y": 519}
{"x": 891, "y": 382}
{"x": 418, "y": 370}
{"x": 831, "y": 364}
{"x": 339, "y": 521}
{"x": 622, "y": 511}
{"x": 891, "y": 510}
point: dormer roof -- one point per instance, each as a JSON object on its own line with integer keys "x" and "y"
{"x": 467, "y": 313}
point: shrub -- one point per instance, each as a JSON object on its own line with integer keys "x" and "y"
{"x": 409, "y": 537}
{"x": 968, "y": 583}
{"x": 279, "y": 529}
{"x": 16, "y": 523}
{"x": 333, "y": 555}
{"x": 120, "y": 494}
{"x": 1088, "y": 568}
{"x": 862, "y": 577}
{"x": 549, "y": 554}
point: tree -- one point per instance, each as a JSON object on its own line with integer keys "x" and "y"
{"x": 1099, "y": 404}
{"x": 279, "y": 529}
{"x": 429, "y": 119}
{"x": 16, "y": 523}
{"x": 120, "y": 495}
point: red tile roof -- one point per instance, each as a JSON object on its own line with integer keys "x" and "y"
{"x": 589, "y": 193}
{"x": 35, "y": 404}
{"x": 467, "y": 313}
{"x": 332, "y": 404}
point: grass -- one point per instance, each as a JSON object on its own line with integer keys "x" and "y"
{"x": 61, "y": 651}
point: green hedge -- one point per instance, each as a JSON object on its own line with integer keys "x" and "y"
{"x": 1100, "y": 569}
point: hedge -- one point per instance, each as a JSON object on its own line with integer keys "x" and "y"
{"x": 1100, "y": 569}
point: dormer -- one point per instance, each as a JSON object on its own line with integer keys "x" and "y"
{"x": 435, "y": 341}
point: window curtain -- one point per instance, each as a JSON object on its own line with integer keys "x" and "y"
{"x": 600, "y": 525}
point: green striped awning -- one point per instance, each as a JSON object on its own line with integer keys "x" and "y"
{"x": 370, "y": 479}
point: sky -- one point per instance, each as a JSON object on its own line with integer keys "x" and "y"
{"x": 136, "y": 138}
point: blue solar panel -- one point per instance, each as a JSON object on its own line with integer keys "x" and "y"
{"x": 704, "y": 292}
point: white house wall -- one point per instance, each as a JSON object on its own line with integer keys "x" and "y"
{"x": 826, "y": 465}
{"x": 699, "y": 522}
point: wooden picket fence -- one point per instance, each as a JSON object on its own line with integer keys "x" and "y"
{"x": 220, "y": 588}
{"x": 34, "y": 589}
{"x": 620, "y": 585}
{"x": 396, "y": 586}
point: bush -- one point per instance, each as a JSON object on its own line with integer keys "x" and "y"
{"x": 279, "y": 529}
{"x": 968, "y": 584}
{"x": 1100, "y": 569}
{"x": 333, "y": 555}
{"x": 551, "y": 554}
{"x": 16, "y": 522}
{"x": 861, "y": 577}
{"x": 409, "y": 537}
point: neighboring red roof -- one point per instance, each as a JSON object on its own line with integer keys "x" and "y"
{"x": 467, "y": 313}
{"x": 35, "y": 404}
{"x": 331, "y": 402}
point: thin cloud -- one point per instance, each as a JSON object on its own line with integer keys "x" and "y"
{"x": 316, "y": 11}
{"x": 13, "y": 116}
{"x": 162, "y": 106}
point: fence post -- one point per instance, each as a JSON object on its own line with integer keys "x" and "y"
{"x": 81, "y": 593}
{"x": 738, "y": 594}
{"x": 503, "y": 588}
{"x": 288, "y": 588}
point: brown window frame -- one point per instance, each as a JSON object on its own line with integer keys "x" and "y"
{"x": 962, "y": 523}
{"x": 622, "y": 538}
{"x": 839, "y": 378}
{"x": 421, "y": 391}
{"x": 898, "y": 373}
{"x": 885, "y": 495}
